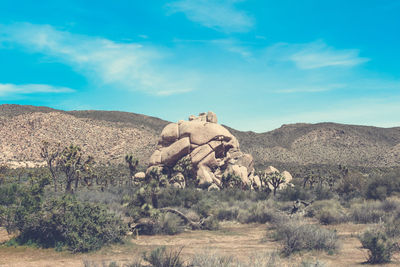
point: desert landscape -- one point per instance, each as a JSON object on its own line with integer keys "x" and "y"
{"x": 193, "y": 192}
{"x": 199, "y": 133}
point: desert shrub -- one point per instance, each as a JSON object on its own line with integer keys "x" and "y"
{"x": 160, "y": 257}
{"x": 112, "y": 195}
{"x": 169, "y": 224}
{"x": 204, "y": 207}
{"x": 260, "y": 212}
{"x": 351, "y": 185}
{"x": 59, "y": 221}
{"x": 298, "y": 236}
{"x": 330, "y": 216}
{"x": 210, "y": 223}
{"x": 247, "y": 211}
{"x": 367, "y": 212}
{"x": 176, "y": 197}
{"x": 327, "y": 211}
{"x": 380, "y": 187}
{"x": 114, "y": 198}
{"x": 24, "y": 201}
{"x": 80, "y": 226}
{"x": 380, "y": 247}
{"x": 392, "y": 226}
{"x": 228, "y": 213}
{"x": 294, "y": 193}
{"x": 323, "y": 192}
{"x": 390, "y": 205}
{"x": 243, "y": 216}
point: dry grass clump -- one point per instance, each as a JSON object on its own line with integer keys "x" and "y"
{"x": 297, "y": 235}
{"x": 161, "y": 257}
{"x": 248, "y": 211}
{"x": 367, "y": 212}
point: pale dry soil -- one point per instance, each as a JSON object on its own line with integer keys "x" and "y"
{"x": 233, "y": 240}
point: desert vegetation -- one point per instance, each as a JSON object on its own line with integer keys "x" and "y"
{"x": 78, "y": 206}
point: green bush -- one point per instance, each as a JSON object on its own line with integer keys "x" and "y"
{"x": 380, "y": 247}
{"x": 64, "y": 221}
{"x": 176, "y": 197}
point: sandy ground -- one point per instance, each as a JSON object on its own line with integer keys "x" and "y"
{"x": 235, "y": 240}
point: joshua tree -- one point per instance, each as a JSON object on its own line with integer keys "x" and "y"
{"x": 231, "y": 180}
{"x": 132, "y": 165}
{"x": 73, "y": 164}
{"x": 49, "y": 154}
{"x": 311, "y": 177}
{"x": 184, "y": 166}
{"x": 274, "y": 179}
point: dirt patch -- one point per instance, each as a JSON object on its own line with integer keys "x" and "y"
{"x": 235, "y": 240}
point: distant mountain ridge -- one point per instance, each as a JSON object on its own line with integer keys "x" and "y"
{"x": 109, "y": 135}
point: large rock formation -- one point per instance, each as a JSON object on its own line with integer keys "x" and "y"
{"x": 212, "y": 149}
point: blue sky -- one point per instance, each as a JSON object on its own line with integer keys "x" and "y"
{"x": 257, "y": 64}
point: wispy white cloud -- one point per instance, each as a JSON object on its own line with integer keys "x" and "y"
{"x": 129, "y": 66}
{"x": 318, "y": 55}
{"x": 221, "y": 15}
{"x": 14, "y": 89}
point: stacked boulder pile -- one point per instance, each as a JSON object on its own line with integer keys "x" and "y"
{"x": 211, "y": 148}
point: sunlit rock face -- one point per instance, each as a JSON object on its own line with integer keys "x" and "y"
{"x": 212, "y": 149}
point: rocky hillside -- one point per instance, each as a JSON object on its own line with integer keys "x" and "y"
{"x": 325, "y": 143}
{"x": 23, "y": 128}
{"x": 109, "y": 135}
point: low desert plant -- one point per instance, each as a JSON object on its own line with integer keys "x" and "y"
{"x": 210, "y": 223}
{"x": 213, "y": 260}
{"x": 160, "y": 257}
{"x": 169, "y": 223}
{"x": 380, "y": 247}
{"x": 327, "y": 212}
{"x": 227, "y": 213}
{"x": 367, "y": 212}
{"x": 259, "y": 212}
{"x": 297, "y": 236}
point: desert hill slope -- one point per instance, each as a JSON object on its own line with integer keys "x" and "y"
{"x": 109, "y": 135}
